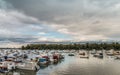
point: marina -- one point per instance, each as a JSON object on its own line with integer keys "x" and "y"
{"x": 58, "y": 62}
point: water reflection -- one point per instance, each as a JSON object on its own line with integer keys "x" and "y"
{"x": 20, "y": 72}
{"x": 79, "y": 66}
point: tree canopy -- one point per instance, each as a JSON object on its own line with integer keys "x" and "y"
{"x": 87, "y": 46}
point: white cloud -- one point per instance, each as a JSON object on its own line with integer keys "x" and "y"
{"x": 41, "y": 33}
{"x": 80, "y": 19}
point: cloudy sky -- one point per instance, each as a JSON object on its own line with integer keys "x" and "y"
{"x": 27, "y": 21}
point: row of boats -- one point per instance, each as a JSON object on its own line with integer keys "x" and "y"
{"x": 33, "y": 59}
{"x": 27, "y": 59}
{"x": 95, "y": 53}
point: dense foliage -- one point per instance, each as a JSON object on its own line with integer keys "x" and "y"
{"x": 87, "y": 46}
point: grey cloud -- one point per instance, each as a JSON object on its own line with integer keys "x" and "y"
{"x": 19, "y": 40}
{"x": 86, "y": 18}
{"x": 68, "y": 12}
{"x": 48, "y": 9}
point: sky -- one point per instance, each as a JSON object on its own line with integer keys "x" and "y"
{"x": 28, "y": 21}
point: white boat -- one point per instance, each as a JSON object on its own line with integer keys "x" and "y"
{"x": 84, "y": 54}
{"x": 93, "y": 51}
{"x": 116, "y": 52}
{"x": 28, "y": 66}
{"x": 7, "y": 65}
{"x": 110, "y": 52}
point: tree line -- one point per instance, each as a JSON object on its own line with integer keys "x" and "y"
{"x": 86, "y": 46}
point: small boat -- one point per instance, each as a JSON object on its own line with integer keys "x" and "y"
{"x": 110, "y": 52}
{"x": 55, "y": 58}
{"x": 116, "y": 52}
{"x": 51, "y": 59}
{"x": 84, "y": 54}
{"x": 42, "y": 61}
{"x": 18, "y": 60}
{"x": 7, "y": 66}
{"x": 93, "y": 51}
{"x": 28, "y": 66}
{"x": 71, "y": 54}
{"x": 98, "y": 54}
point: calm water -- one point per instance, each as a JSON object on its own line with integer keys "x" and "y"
{"x": 80, "y": 66}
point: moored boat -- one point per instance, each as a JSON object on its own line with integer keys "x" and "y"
{"x": 84, "y": 54}
{"x": 99, "y": 54}
{"x": 71, "y": 54}
{"x": 110, "y": 52}
{"x": 28, "y": 66}
{"x": 116, "y": 52}
{"x": 7, "y": 66}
